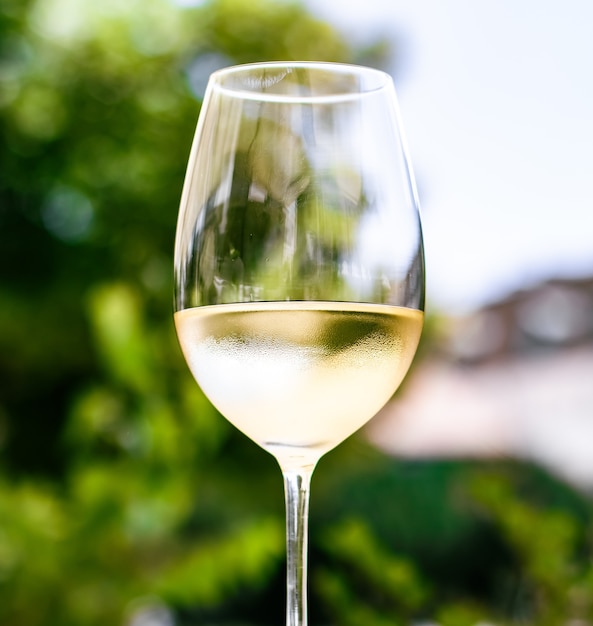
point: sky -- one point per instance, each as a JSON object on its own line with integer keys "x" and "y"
{"x": 496, "y": 98}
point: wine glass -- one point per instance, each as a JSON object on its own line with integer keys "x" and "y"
{"x": 299, "y": 266}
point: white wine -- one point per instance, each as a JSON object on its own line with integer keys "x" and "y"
{"x": 299, "y": 377}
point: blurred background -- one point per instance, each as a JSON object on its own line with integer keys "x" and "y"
{"x": 125, "y": 498}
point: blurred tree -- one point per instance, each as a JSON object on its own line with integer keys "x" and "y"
{"x": 548, "y": 532}
{"x": 98, "y": 109}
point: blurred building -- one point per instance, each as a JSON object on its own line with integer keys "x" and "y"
{"x": 512, "y": 379}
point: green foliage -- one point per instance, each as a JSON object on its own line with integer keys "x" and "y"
{"x": 209, "y": 574}
{"x": 504, "y": 544}
{"x": 248, "y": 31}
{"x": 392, "y": 586}
{"x": 552, "y": 546}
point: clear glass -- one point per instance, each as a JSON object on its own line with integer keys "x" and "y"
{"x": 299, "y": 266}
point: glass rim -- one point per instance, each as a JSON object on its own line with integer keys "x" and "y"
{"x": 380, "y": 80}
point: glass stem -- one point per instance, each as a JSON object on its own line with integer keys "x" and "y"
{"x": 296, "y": 490}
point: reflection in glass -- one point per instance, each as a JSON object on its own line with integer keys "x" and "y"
{"x": 299, "y": 265}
